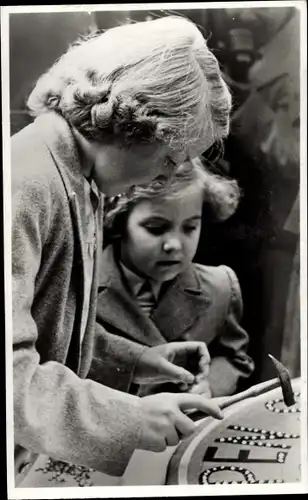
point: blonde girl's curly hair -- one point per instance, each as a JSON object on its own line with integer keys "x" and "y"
{"x": 221, "y": 195}
{"x": 143, "y": 82}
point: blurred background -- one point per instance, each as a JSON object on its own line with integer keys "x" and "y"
{"x": 259, "y": 53}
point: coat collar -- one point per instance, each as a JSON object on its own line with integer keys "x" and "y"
{"x": 183, "y": 303}
{"x": 178, "y": 309}
{"x": 118, "y": 308}
{"x": 57, "y": 135}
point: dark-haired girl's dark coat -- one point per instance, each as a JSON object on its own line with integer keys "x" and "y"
{"x": 203, "y": 303}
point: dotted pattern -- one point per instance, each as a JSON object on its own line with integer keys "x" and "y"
{"x": 251, "y": 441}
{"x": 271, "y": 405}
{"x": 249, "y": 477}
{"x": 264, "y": 433}
{"x": 281, "y": 457}
{"x": 58, "y": 469}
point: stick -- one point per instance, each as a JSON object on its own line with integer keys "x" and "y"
{"x": 224, "y": 402}
{"x": 252, "y": 392}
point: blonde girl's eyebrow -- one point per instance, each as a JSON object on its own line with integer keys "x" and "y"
{"x": 170, "y": 161}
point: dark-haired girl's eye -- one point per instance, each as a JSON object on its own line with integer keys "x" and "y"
{"x": 190, "y": 229}
{"x": 155, "y": 230}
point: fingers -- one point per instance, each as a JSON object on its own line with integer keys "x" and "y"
{"x": 204, "y": 361}
{"x": 204, "y": 353}
{"x": 156, "y": 444}
{"x": 172, "y": 437}
{"x": 202, "y": 387}
{"x": 165, "y": 351}
{"x": 184, "y": 387}
{"x": 160, "y": 366}
{"x": 172, "y": 373}
{"x": 190, "y": 347}
{"x": 221, "y": 401}
{"x": 204, "y": 367}
{"x": 205, "y": 392}
{"x": 186, "y": 401}
{"x": 196, "y": 389}
{"x": 184, "y": 425}
{"x": 202, "y": 377}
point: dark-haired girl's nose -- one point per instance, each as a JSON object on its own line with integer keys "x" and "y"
{"x": 172, "y": 245}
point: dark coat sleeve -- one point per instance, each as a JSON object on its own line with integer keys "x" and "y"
{"x": 228, "y": 350}
{"x": 114, "y": 358}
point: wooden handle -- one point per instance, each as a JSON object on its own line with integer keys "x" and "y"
{"x": 252, "y": 392}
{"x": 227, "y": 401}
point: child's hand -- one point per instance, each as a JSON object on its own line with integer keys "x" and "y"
{"x": 201, "y": 384}
{"x": 156, "y": 364}
{"x": 200, "y": 368}
{"x": 202, "y": 387}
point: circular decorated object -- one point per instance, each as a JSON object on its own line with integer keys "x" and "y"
{"x": 257, "y": 442}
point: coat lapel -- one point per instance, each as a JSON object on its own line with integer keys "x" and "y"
{"x": 58, "y": 137}
{"x": 88, "y": 340}
{"x": 181, "y": 306}
{"x": 118, "y": 308}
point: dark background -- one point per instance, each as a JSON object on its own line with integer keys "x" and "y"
{"x": 258, "y": 50}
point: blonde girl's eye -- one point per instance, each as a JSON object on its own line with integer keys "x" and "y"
{"x": 169, "y": 166}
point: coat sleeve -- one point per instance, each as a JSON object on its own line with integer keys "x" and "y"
{"x": 55, "y": 412}
{"x": 114, "y": 359}
{"x": 228, "y": 350}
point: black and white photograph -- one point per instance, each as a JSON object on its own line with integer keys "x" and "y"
{"x": 155, "y": 249}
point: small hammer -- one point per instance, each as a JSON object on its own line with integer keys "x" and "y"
{"x": 285, "y": 381}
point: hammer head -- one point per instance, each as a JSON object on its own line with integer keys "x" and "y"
{"x": 285, "y": 381}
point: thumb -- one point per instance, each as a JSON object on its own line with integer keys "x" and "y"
{"x": 174, "y": 373}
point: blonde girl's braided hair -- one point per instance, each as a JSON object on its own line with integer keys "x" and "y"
{"x": 143, "y": 82}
